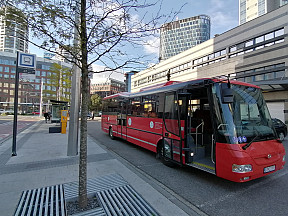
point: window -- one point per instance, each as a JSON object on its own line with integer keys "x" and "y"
{"x": 259, "y": 39}
{"x": 269, "y": 76}
{"x": 232, "y": 49}
{"x": 279, "y": 32}
{"x": 149, "y": 106}
{"x": 269, "y": 36}
{"x": 279, "y": 74}
{"x": 259, "y": 77}
{"x": 135, "y": 107}
{"x": 223, "y": 52}
{"x": 171, "y": 114}
{"x": 249, "y": 43}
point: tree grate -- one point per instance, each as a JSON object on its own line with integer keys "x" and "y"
{"x": 42, "y": 202}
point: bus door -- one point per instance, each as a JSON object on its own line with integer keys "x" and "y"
{"x": 172, "y": 148}
{"x": 199, "y": 132}
{"x": 122, "y": 120}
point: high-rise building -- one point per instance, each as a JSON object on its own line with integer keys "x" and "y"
{"x": 180, "y": 35}
{"x": 13, "y": 37}
{"x": 251, "y": 9}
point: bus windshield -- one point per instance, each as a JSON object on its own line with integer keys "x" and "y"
{"x": 245, "y": 119}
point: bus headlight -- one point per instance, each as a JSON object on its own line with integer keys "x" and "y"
{"x": 241, "y": 168}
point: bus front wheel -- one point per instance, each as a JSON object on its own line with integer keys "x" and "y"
{"x": 161, "y": 153}
{"x": 111, "y": 133}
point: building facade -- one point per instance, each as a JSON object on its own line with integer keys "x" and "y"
{"x": 251, "y": 9}
{"x": 29, "y": 90}
{"x": 13, "y": 38}
{"x": 255, "y": 52}
{"x": 180, "y": 35}
{"x": 107, "y": 86}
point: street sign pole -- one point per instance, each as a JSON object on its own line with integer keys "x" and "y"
{"x": 27, "y": 64}
{"x": 15, "y": 108}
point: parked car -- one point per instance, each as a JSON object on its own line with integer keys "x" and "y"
{"x": 280, "y": 127}
{"x": 3, "y": 111}
{"x": 89, "y": 115}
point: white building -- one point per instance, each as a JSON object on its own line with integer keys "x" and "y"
{"x": 13, "y": 38}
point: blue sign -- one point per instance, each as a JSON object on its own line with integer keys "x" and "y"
{"x": 27, "y": 60}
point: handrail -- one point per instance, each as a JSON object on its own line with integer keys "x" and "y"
{"x": 220, "y": 125}
{"x": 201, "y": 124}
{"x": 212, "y": 150}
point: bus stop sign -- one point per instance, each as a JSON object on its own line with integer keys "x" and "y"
{"x": 26, "y": 60}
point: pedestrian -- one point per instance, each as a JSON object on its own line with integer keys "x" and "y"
{"x": 46, "y": 116}
{"x": 49, "y": 115}
{"x": 92, "y": 115}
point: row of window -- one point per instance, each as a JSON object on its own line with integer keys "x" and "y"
{"x": 269, "y": 72}
{"x": 235, "y": 50}
{"x": 7, "y": 76}
{"x": 7, "y": 61}
{"x": 257, "y": 40}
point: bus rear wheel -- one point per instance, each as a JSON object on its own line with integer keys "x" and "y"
{"x": 111, "y": 133}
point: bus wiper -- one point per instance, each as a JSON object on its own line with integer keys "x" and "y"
{"x": 248, "y": 144}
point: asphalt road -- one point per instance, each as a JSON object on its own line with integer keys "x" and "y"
{"x": 210, "y": 194}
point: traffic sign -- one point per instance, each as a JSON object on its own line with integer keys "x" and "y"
{"x": 26, "y": 60}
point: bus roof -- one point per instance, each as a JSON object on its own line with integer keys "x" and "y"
{"x": 171, "y": 86}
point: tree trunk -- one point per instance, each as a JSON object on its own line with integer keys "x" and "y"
{"x": 84, "y": 110}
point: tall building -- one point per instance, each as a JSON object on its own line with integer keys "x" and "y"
{"x": 13, "y": 38}
{"x": 180, "y": 35}
{"x": 250, "y": 9}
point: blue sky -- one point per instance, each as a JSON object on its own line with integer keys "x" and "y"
{"x": 223, "y": 14}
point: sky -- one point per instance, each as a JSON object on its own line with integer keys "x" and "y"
{"x": 223, "y": 14}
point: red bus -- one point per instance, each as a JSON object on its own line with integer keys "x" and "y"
{"x": 222, "y": 127}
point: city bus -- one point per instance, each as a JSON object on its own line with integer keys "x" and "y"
{"x": 219, "y": 126}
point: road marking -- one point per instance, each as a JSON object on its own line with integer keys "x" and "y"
{"x": 242, "y": 191}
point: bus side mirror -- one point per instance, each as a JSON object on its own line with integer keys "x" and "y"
{"x": 226, "y": 93}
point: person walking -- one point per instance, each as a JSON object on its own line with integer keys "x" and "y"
{"x": 46, "y": 116}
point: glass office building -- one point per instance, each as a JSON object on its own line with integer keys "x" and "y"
{"x": 180, "y": 35}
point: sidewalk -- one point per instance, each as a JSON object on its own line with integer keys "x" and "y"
{"x": 42, "y": 161}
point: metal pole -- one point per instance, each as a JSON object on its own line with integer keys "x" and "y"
{"x": 15, "y": 108}
{"x": 41, "y": 97}
{"x": 72, "y": 148}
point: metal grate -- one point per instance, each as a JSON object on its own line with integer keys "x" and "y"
{"x": 116, "y": 197}
{"x": 124, "y": 201}
{"x": 42, "y": 201}
{"x": 94, "y": 185}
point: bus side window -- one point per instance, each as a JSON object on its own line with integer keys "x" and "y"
{"x": 129, "y": 108}
{"x": 171, "y": 114}
{"x": 160, "y": 105}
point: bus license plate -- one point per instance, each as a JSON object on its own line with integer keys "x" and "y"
{"x": 269, "y": 169}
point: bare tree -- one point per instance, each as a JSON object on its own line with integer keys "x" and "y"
{"x": 104, "y": 30}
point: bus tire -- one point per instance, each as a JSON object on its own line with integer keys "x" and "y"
{"x": 160, "y": 154}
{"x": 111, "y": 133}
